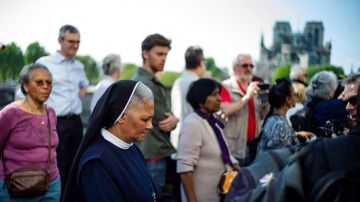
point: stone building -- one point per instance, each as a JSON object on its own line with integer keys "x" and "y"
{"x": 305, "y": 48}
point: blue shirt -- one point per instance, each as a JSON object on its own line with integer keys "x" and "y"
{"x": 68, "y": 77}
{"x": 277, "y": 133}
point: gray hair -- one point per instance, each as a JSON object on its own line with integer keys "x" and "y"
{"x": 111, "y": 63}
{"x": 239, "y": 57}
{"x": 296, "y": 71}
{"x": 141, "y": 94}
{"x": 25, "y": 73}
{"x": 323, "y": 84}
{"x": 67, "y": 28}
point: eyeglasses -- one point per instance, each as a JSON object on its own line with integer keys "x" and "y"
{"x": 42, "y": 83}
{"x": 247, "y": 65}
{"x": 352, "y": 100}
{"x": 72, "y": 42}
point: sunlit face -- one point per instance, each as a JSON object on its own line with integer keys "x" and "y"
{"x": 291, "y": 99}
{"x": 39, "y": 86}
{"x": 137, "y": 122}
{"x": 244, "y": 69}
{"x": 69, "y": 44}
{"x": 212, "y": 102}
{"x": 156, "y": 58}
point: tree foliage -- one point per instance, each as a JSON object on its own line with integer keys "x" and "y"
{"x": 281, "y": 72}
{"x": 33, "y": 52}
{"x": 312, "y": 70}
{"x": 216, "y": 72}
{"x": 91, "y": 69}
{"x": 168, "y": 78}
{"x": 284, "y": 71}
{"x": 128, "y": 71}
{"x": 11, "y": 62}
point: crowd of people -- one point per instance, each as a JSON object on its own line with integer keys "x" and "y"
{"x": 144, "y": 145}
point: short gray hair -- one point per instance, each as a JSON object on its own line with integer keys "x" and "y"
{"x": 67, "y": 28}
{"x": 296, "y": 71}
{"x": 322, "y": 85}
{"x": 141, "y": 94}
{"x": 25, "y": 73}
{"x": 236, "y": 61}
{"x": 111, "y": 63}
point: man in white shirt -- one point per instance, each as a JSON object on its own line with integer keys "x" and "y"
{"x": 194, "y": 69}
{"x": 69, "y": 86}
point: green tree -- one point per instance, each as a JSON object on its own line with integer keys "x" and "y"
{"x": 168, "y": 78}
{"x": 128, "y": 71}
{"x": 33, "y": 52}
{"x": 91, "y": 69}
{"x": 11, "y": 62}
{"x": 281, "y": 72}
{"x": 312, "y": 70}
{"x": 216, "y": 72}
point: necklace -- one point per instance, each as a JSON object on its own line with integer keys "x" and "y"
{"x": 33, "y": 108}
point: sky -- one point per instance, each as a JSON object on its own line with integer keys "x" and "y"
{"x": 223, "y": 28}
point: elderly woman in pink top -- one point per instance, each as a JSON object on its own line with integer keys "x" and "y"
{"x": 24, "y": 133}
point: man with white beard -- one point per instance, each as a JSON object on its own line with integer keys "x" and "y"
{"x": 242, "y": 107}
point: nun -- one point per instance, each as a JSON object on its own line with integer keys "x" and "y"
{"x": 108, "y": 165}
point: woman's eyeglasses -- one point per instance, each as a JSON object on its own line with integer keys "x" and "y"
{"x": 41, "y": 83}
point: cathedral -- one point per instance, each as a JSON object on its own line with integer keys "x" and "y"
{"x": 305, "y": 48}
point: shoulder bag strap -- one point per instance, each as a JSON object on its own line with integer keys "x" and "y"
{"x": 49, "y": 139}
{"x": 3, "y": 156}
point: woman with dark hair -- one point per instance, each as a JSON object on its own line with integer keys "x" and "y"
{"x": 203, "y": 153}
{"x": 28, "y": 128}
{"x": 108, "y": 165}
{"x": 277, "y": 131}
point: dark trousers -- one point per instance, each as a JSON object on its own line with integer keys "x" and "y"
{"x": 70, "y": 132}
{"x": 173, "y": 180}
{"x": 251, "y": 149}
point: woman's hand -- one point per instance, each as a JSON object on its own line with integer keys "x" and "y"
{"x": 235, "y": 166}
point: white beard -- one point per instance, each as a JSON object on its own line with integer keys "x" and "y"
{"x": 244, "y": 77}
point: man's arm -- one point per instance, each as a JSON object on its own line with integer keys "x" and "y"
{"x": 82, "y": 92}
{"x": 169, "y": 123}
{"x": 231, "y": 108}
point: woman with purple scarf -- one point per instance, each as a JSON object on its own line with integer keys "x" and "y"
{"x": 203, "y": 153}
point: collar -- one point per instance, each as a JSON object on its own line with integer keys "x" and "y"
{"x": 144, "y": 73}
{"x": 234, "y": 87}
{"x": 211, "y": 119}
{"x": 108, "y": 78}
{"x": 60, "y": 58}
{"x": 115, "y": 140}
{"x": 191, "y": 74}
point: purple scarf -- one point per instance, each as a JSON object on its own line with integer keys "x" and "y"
{"x": 215, "y": 124}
